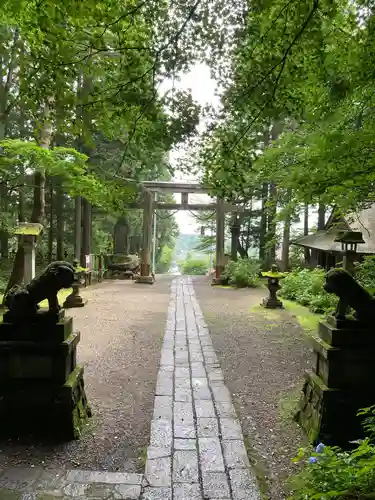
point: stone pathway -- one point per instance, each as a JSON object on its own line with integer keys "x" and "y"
{"x": 196, "y": 447}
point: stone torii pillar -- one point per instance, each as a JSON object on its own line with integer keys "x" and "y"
{"x": 145, "y": 276}
{"x": 220, "y": 240}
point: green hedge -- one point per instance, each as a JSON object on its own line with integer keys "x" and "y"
{"x": 242, "y": 273}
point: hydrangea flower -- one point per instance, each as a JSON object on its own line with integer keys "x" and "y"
{"x": 320, "y": 448}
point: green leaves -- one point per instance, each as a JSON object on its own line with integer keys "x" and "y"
{"x": 304, "y": 69}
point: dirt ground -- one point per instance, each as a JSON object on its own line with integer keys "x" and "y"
{"x": 263, "y": 355}
{"x": 122, "y": 328}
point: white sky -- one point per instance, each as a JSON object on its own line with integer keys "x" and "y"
{"x": 203, "y": 91}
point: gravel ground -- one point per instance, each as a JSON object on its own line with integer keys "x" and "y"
{"x": 263, "y": 355}
{"x": 122, "y": 328}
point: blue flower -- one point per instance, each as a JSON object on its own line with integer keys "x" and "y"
{"x": 313, "y": 460}
{"x": 320, "y": 448}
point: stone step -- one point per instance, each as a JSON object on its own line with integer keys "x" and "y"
{"x": 17, "y": 483}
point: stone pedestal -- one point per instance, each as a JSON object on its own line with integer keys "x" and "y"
{"x": 340, "y": 384}
{"x": 29, "y": 248}
{"x": 272, "y": 301}
{"x": 41, "y": 385}
{"x": 74, "y": 299}
{"x": 146, "y": 280}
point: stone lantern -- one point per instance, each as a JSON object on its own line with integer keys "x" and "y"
{"x": 29, "y": 232}
{"x": 349, "y": 243}
{"x": 274, "y": 276}
{"x": 75, "y": 299}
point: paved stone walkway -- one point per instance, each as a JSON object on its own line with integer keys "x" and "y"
{"x": 196, "y": 447}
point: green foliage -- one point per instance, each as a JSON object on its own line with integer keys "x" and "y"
{"x": 165, "y": 260}
{"x": 365, "y": 273}
{"x": 297, "y": 109}
{"x": 242, "y": 273}
{"x": 306, "y": 287}
{"x": 192, "y": 266}
{"x": 336, "y": 474}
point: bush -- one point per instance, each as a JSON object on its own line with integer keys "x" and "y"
{"x": 165, "y": 260}
{"x": 306, "y": 287}
{"x": 331, "y": 473}
{"x": 365, "y": 273}
{"x": 194, "y": 267}
{"x": 242, "y": 273}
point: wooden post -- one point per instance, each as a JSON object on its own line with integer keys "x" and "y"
{"x": 145, "y": 276}
{"x": 220, "y": 227}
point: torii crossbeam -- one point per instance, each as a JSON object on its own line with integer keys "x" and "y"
{"x": 148, "y": 205}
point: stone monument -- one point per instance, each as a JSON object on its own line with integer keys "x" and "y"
{"x": 341, "y": 382}
{"x": 41, "y": 385}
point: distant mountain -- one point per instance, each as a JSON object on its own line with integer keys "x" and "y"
{"x": 186, "y": 243}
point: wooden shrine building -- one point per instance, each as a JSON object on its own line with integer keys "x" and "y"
{"x": 323, "y": 249}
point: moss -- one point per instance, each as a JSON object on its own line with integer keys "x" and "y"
{"x": 142, "y": 458}
{"x": 258, "y": 466}
{"x": 266, "y": 313}
{"x": 308, "y": 321}
{"x": 289, "y": 404}
{"x": 47, "y": 496}
{"x": 6, "y": 494}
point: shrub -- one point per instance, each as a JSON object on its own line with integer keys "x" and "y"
{"x": 165, "y": 260}
{"x": 306, "y": 287}
{"x": 242, "y": 273}
{"x": 194, "y": 267}
{"x": 365, "y": 273}
{"x": 331, "y": 473}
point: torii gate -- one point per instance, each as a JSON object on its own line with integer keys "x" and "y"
{"x": 149, "y": 205}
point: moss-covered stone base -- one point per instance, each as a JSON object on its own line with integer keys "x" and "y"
{"x": 270, "y": 303}
{"x": 56, "y": 411}
{"x": 330, "y": 416}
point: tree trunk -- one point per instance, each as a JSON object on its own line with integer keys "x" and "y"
{"x": 5, "y": 108}
{"x": 50, "y": 225}
{"x": 263, "y": 225}
{"x": 44, "y": 141}
{"x": 286, "y": 237}
{"x": 306, "y": 232}
{"x": 4, "y": 233}
{"x": 59, "y": 221}
{"x": 271, "y": 226}
{"x": 78, "y": 228}
{"x": 5, "y": 86}
{"x": 86, "y": 231}
{"x": 235, "y": 233}
{"x": 321, "y": 217}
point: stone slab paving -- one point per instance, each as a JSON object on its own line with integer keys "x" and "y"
{"x": 197, "y": 450}
{"x": 18, "y": 483}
